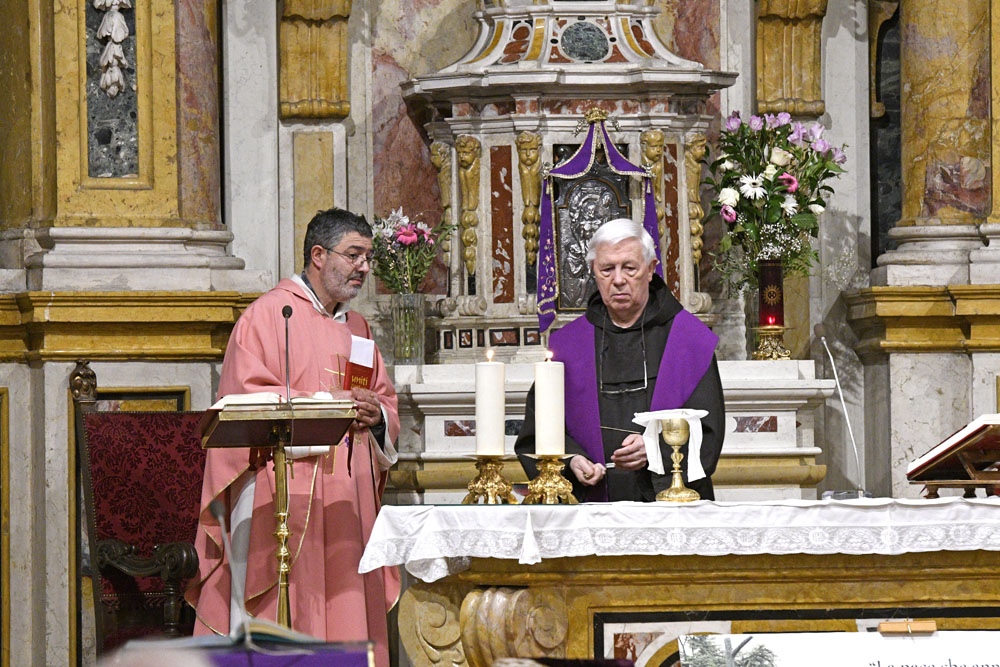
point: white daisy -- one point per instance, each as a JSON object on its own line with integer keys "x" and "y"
{"x": 751, "y": 186}
{"x": 789, "y": 206}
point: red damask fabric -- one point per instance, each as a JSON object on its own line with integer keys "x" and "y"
{"x": 146, "y": 471}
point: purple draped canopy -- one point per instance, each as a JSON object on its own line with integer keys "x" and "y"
{"x": 576, "y": 166}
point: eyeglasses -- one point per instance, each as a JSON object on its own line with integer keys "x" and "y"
{"x": 354, "y": 258}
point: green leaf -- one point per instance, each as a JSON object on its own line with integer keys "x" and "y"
{"x": 805, "y": 221}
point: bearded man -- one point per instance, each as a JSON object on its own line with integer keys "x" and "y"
{"x": 333, "y": 495}
{"x": 634, "y": 350}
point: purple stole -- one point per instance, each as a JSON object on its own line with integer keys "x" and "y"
{"x": 686, "y": 357}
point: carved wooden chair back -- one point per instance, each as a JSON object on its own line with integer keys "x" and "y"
{"x": 142, "y": 476}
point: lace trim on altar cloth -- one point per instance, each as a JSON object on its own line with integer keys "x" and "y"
{"x": 437, "y": 541}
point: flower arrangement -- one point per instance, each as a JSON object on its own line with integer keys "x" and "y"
{"x": 403, "y": 251}
{"x": 769, "y": 184}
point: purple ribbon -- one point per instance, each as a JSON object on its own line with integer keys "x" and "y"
{"x": 576, "y": 166}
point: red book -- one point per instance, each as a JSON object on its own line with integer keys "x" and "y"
{"x": 361, "y": 365}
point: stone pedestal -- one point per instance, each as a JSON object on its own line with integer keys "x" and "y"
{"x": 928, "y": 255}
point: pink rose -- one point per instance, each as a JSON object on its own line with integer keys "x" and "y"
{"x": 728, "y": 214}
{"x": 790, "y": 182}
{"x": 407, "y": 235}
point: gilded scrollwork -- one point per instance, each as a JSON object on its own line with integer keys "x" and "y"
{"x": 694, "y": 153}
{"x": 469, "y": 154}
{"x": 529, "y": 167}
{"x": 513, "y": 623}
{"x": 429, "y": 625}
{"x": 313, "y": 59}
{"x": 789, "y": 62}
{"x": 441, "y": 159}
{"x": 651, "y": 143}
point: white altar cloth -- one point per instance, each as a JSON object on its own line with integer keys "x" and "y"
{"x": 434, "y": 541}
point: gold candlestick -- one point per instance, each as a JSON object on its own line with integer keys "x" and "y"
{"x": 489, "y": 484}
{"x": 550, "y": 487}
{"x": 770, "y": 345}
{"x": 675, "y": 433}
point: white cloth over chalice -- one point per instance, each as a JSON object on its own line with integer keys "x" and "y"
{"x": 650, "y": 421}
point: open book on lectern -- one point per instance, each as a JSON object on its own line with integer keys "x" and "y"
{"x": 247, "y": 420}
{"x": 970, "y": 454}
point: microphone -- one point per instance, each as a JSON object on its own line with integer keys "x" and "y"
{"x": 820, "y": 332}
{"x": 218, "y": 511}
{"x": 286, "y": 312}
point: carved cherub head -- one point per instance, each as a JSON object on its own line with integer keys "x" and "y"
{"x": 528, "y": 145}
{"x": 651, "y": 142}
{"x": 440, "y": 154}
{"x": 468, "y": 149}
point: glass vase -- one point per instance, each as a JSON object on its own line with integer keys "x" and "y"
{"x": 408, "y": 328}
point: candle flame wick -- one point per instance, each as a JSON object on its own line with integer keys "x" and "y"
{"x": 548, "y": 355}
{"x": 489, "y": 355}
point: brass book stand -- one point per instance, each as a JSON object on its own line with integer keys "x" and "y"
{"x": 277, "y": 426}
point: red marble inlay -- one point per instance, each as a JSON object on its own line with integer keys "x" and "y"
{"x": 579, "y": 106}
{"x": 501, "y": 204}
{"x": 671, "y": 254}
{"x": 696, "y": 31}
{"x": 640, "y": 37}
{"x": 523, "y": 106}
{"x": 459, "y": 428}
{"x": 757, "y": 424}
{"x": 494, "y": 109}
{"x": 461, "y": 109}
{"x": 616, "y": 56}
{"x": 518, "y": 44}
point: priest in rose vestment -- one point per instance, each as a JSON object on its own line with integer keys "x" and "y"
{"x": 634, "y": 350}
{"x": 334, "y": 494}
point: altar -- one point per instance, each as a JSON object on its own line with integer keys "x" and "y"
{"x": 624, "y": 580}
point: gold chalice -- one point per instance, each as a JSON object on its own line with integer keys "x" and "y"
{"x": 675, "y": 433}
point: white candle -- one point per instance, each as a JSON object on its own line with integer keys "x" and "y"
{"x": 490, "y": 398}
{"x": 550, "y": 407}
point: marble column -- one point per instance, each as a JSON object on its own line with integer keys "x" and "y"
{"x": 945, "y": 142}
{"x": 198, "y": 109}
{"x": 985, "y": 268}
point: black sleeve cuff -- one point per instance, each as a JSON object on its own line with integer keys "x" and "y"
{"x": 378, "y": 431}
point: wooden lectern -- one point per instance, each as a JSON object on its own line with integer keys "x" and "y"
{"x": 277, "y": 426}
{"x": 967, "y": 459}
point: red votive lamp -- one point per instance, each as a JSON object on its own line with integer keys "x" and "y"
{"x": 771, "y": 297}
